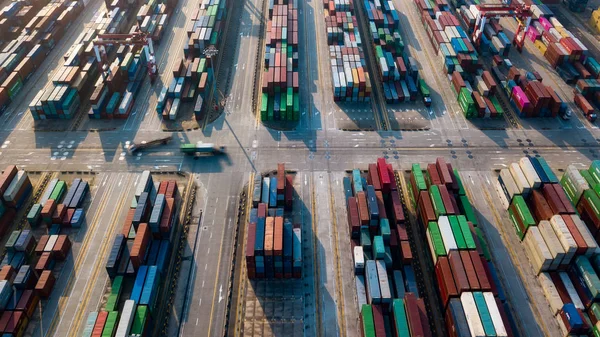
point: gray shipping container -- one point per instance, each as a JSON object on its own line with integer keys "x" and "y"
{"x": 48, "y": 191}
{"x": 15, "y": 186}
{"x": 372, "y": 282}
{"x": 384, "y": 284}
{"x": 361, "y": 293}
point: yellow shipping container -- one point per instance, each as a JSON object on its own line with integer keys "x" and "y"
{"x": 355, "y": 77}
{"x": 562, "y": 31}
{"x": 540, "y": 46}
{"x": 596, "y": 15}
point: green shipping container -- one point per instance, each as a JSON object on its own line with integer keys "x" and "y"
{"x": 593, "y": 199}
{"x": 400, "y": 321}
{"x": 296, "y": 107}
{"x": 483, "y": 244}
{"x": 457, "y": 232}
{"x": 12, "y": 239}
{"x": 115, "y": 294}
{"x": 484, "y": 314}
{"x": 58, "y": 191}
{"x": 139, "y": 320}
{"x": 595, "y": 171}
{"x": 588, "y": 177}
{"x": 589, "y": 276}
{"x": 513, "y": 219}
{"x": 569, "y": 189}
{"x": 436, "y": 239}
{"x": 368, "y": 326}
{"x": 436, "y": 199}
{"x": 523, "y": 211}
{"x": 461, "y": 187}
{"x": 596, "y": 331}
{"x": 466, "y": 232}
{"x": 467, "y": 210}
{"x": 110, "y": 327}
{"x": 419, "y": 178}
{"x": 33, "y": 217}
{"x": 378, "y": 247}
{"x": 384, "y": 229}
{"x": 551, "y": 176}
{"x": 365, "y": 238}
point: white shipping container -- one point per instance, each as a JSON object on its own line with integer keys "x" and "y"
{"x": 550, "y": 292}
{"x": 519, "y": 178}
{"x": 502, "y": 195}
{"x": 384, "y": 284}
{"x": 495, "y": 314}
{"x": 48, "y": 191}
{"x": 15, "y": 186}
{"x": 508, "y": 183}
{"x": 142, "y": 184}
{"x": 447, "y": 236}
{"x": 538, "y": 247}
{"x": 576, "y": 180}
{"x": 361, "y": 293}
{"x": 359, "y": 259}
{"x": 51, "y": 242}
{"x": 564, "y": 236}
{"x": 552, "y": 242}
{"x": 126, "y": 319}
{"x": 472, "y": 315}
{"x": 587, "y": 236}
{"x": 530, "y": 174}
{"x": 571, "y": 290}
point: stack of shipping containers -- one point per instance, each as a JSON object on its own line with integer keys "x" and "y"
{"x": 140, "y": 253}
{"x": 470, "y": 292}
{"x": 559, "y": 238}
{"x": 595, "y": 20}
{"x": 475, "y": 88}
{"x": 28, "y": 31}
{"x": 27, "y": 270}
{"x": 350, "y": 79}
{"x": 194, "y": 77}
{"x": 273, "y": 244}
{"x": 386, "y": 285}
{"x": 153, "y": 17}
{"x": 398, "y": 70}
{"x": 15, "y": 188}
{"x": 280, "y": 98}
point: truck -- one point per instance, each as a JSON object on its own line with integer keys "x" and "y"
{"x": 135, "y": 147}
{"x": 202, "y": 149}
{"x": 424, "y": 89}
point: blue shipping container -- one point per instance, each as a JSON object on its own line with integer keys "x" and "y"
{"x": 138, "y": 286}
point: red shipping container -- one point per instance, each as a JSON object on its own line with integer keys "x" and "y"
{"x": 480, "y": 271}
{"x": 384, "y": 175}
{"x": 128, "y": 221}
{"x": 381, "y": 205}
{"x": 378, "y": 320}
{"x": 450, "y": 210}
{"x": 560, "y": 287}
{"x": 45, "y": 284}
{"x": 579, "y": 240}
{"x": 39, "y": 248}
{"x": 395, "y": 206}
{"x": 413, "y": 316}
{"x": 16, "y": 324}
{"x": 280, "y": 178}
{"x": 363, "y": 210}
{"x": 454, "y": 180}
{"x": 168, "y": 217}
{"x": 162, "y": 187}
{"x": 407, "y": 255}
{"x": 44, "y": 262}
{"x": 373, "y": 177}
{"x": 469, "y": 270}
{"x": 6, "y": 316}
{"x": 569, "y": 209}
{"x": 140, "y": 243}
{"x": 424, "y": 318}
{"x": 553, "y": 200}
{"x": 250, "y": 242}
{"x": 539, "y": 207}
{"x": 458, "y": 272}
{"x": 59, "y": 213}
{"x": 401, "y": 232}
{"x": 262, "y": 210}
{"x": 6, "y": 178}
{"x": 48, "y": 209}
{"x": 425, "y": 207}
{"x": 393, "y": 184}
{"x": 443, "y": 172}
{"x": 353, "y": 217}
{"x": 434, "y": 177}
{"x": 66, "y": 220}
{"x": 62, "y": 247}
{"x": 445, "y": 280}
{"x": 100, "y": 321}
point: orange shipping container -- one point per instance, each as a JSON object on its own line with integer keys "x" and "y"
{"x": 62, "y": 247}
{"x": 7, "y": 273}
{"x": 278, "y": 237}
{"x": 269, "y": 231}
{"x": 140, "y": 243}
{"x": 99, "y": 326}
{"x": 45, "y": 284}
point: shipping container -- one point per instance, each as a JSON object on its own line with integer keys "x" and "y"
{"x": 530, "y": 174}
{"x": 520, "y": 179}
{"x": 472, "y": 315}
{"x": 126, "y": 320}
{"x": 550, "y": 292}
{"x": 456, "y": 321}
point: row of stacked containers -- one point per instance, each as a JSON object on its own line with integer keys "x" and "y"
{"x": 399, "y": 71}
{"x": 565, "y": 52}
{"x": 273, "y": 243}
{"x": 474, "y": 87}
{"x": 139, "y": 255}
{"x": 471, "y": 294}
{"x": 28, "y": 270}
{"x": 386, "y": 284}
{"x": 351, "y": 81}
{"x": 280, "y": 97}
{"x": 15, "y": 188}
{"x": 194, "y": 77}
{"x": 28, "y": 31}
{"x": 557, "y": 223}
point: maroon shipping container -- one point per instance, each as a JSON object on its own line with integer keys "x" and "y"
{"x": 7, "y": 273}
{"x": 507, "y": 327}
{"x": 168, "y": 216}
{"x": 395, "y": 208}
{"x": 262, "y": 210}
{"x": 28, "y": 302}
{"x": 393, "y": 182}
{"x": 66, "y": 220}
{"x": 539, "y": 207}
{"x": 553, "y": 200}
{"x": 62, "y": 247}
{"x": 384, "y": 175}
{"x": 140, "y": 243}
{"x": 458, "y": 272}
{"x": 480, "y": 271}
{"x": 162, "y": 187}
{"x": 48, "y": 209}
{"x": 381, "y": 205}
{"x": 59, "y": 213}
{"x": 16, "y": 324}
{"x": 44, "y": 262}
{"x": 401, "y": 232}
{"x": 469, "y": 270}
{"x": 6, "y": 178}
{"x": 39, "y": 248}
{"x": 445, "y": 280}
{"x": 434, "y": 177}
{"x": 413, "y": 316}
{"x": 353, "y": 217}
{"x": 424, "y": 318}
{"x": 426, "y": 208}
{"x": 579, "y": 240}
{"x": 586, "y": 211}
{"x": 280, "y": 178}
{"x": 581, "y": 292}
{"x": 450, "y": 210}
{"x": 45, "y": 284}
{"x": 250, "y": 241}
{"x": 373, "y": 177}
{"x": 407, "y": 255}
{"x": 363, "y": 209}
{"x": 4, "y": 319}
{"x": 563, "y": 197}
{"x": 443, "y": 172}
{"x": 560, "y": 288}
{"x": 378, "y": 320}
{"x": 454, "y": 180}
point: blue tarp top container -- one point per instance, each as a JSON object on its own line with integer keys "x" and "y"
{"x": 273, "y": 192}
{"x": 288, "y": 237}
{"x": 71, "y": 191}
{"x": 357, "y": 181}
{"x": 116, "y": 250}
{"x": 150, "y": 291}
{"x": 77, "y": 218}
{"x": 572, "y": 316}
{"x": 297, "y": 246}
{"x": 347, "y": 188}
{"x": 372, "y": 282}
{"x": 153, "y": 252}
{"x": 265, "y": 191}
{"x": 138, "y": 286}
{"x": 372, "y": 203}
{"x": 163, "y": 256}
{"x": 79, "y": 196}
{"x": 410, "y": 280}
{"x": 458, "y": 316}
{"x": 260, "y": 237}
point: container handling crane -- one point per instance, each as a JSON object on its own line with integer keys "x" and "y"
{"x": 138, "y": 38}
{"x": 519, "y": 11}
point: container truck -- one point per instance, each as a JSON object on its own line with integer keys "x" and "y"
{"x": 135, "y": 147}
{"x": 202, "y": 149}
{"x": 424, "y": 89}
